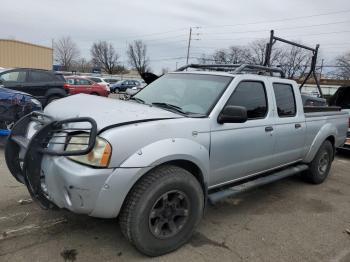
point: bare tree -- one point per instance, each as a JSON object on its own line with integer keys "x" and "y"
{"x": 137, "y": 53}
{"x": 294, "y": 61}
{"x": 66, "y": 52}
{"x": 104, "y": 55}
{"x": 232, "y": 55}
{"x": 257, "y": 53}
{"x": 343, "y": 66}
{"x": 82, "y": 65}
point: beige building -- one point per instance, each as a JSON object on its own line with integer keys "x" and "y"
{"x": 15, "y": 53}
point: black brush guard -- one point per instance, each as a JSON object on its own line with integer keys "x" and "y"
{"x": 24, "y": 156}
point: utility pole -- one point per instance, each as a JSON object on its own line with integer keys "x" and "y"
{"x": 189, "y": 42}
{"x": 321, "y": 68}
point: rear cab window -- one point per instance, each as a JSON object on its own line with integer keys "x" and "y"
{"x": 285, "y": 99}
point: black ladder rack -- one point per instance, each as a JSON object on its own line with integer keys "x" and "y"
{"x": 236, "y": 68}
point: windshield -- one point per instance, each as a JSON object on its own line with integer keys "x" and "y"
{"x": 192, "y": 93}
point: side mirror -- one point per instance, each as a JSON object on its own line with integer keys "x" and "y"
{"x": 233, "y": 114}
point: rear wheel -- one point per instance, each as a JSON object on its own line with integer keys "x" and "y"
{"x": 321, "y": 164}
{"x": 162, "y": 210}
{"x": 95, "y": 94}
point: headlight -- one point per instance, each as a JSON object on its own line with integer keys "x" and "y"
{"x": 99, "y": 156}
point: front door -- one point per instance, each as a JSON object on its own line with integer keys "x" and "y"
{"x": 242, "y": 149}
{"x": 14, "y": 79}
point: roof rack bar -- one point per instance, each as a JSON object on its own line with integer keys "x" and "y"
{"x": 238, "y": 68}
{"x": 274, "y": 39}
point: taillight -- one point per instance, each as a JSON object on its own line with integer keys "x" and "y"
{"x": 66, "y": 87}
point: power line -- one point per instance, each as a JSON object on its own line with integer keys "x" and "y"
{"x": 241, "y": 24}
{"x": 280, "y": 20}
{"x": 158, "y": 33}
{"x": 164, "y": 38}
{"x": 251, "y": 37}
{"x": 281, "y": 28}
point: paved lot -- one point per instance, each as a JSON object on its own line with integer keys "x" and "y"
{"x": 285, "y": 221}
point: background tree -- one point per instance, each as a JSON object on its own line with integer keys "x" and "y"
{"x": 294, "y": 61}
{"x": 104, "y": 55}
{"x": 82, "y": 65}
{"x": 137, "y": 54}
{"x": 343, "y": 64}
{"x": 66, "y": 52}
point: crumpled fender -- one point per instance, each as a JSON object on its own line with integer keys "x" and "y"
{"x": 326, "y": 131}
{"x": 120, "y": 182}
{"x": 167, "y": 150}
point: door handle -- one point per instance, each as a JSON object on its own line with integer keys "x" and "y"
{"x": 297, "y": 126}
{"x": 268, "y": 129}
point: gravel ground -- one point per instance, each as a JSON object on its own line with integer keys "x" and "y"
{"x": 285, "y": 221}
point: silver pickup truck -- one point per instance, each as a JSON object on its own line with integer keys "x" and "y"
{"x": 155, "y": 160}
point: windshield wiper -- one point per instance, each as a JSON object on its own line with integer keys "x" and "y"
{"x": 171, "y": 107}
{"x": 139, "y": 100}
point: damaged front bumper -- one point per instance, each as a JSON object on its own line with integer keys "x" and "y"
{"x": 37, "y": 136}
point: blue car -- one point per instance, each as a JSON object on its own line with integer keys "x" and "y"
{"x": 14, "y": 105}
{"x": 122, "y": 85}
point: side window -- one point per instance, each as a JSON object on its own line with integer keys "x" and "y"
{"x": 83, "y": 82}
{"x": 285, "y": 100}
{"x": 70, "y": 81}
{"x": 252, "y": 96}
{"x": 97, "y": 80}
{"x": 40, "y": 77}
{"x": 14, "y": 76}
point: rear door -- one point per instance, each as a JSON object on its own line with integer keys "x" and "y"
{"x": 244, "y": 149}
{"x": 289, "y": 122}
{"x": 39, "y": 82}
{"x": 84, "y": 86}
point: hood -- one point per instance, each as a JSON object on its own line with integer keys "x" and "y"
{"x": 6, "y": 90}
{"x": 105, "y": 111}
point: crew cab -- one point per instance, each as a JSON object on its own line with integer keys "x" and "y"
{"x": 188, "y": 138}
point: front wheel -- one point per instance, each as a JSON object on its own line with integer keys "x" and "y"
{"x": 321, "y": 164}
{"x": 162, "y": 210}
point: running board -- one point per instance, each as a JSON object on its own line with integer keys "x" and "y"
{"x": 235, "y": 190}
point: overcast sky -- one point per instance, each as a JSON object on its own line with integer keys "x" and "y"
{"x": 164, "y": 24}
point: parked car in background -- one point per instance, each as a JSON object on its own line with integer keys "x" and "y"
{"x": 341, "y": 98}
{"x": 122, "y": 85}
{"x": 80, "y": 85}
{"x": 44, "y": 85}
{"x": 111, "y": 80}
{"x": 14, "y": 105}
{"x": 132, "y": 91}
{"x": 99, "y": 80}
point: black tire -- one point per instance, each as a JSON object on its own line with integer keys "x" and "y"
{"x": 154, "y": 228}
{"x": 321, "y": 164}
{"x": 95, "y": 94}
{"x": 52, "y": 98}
